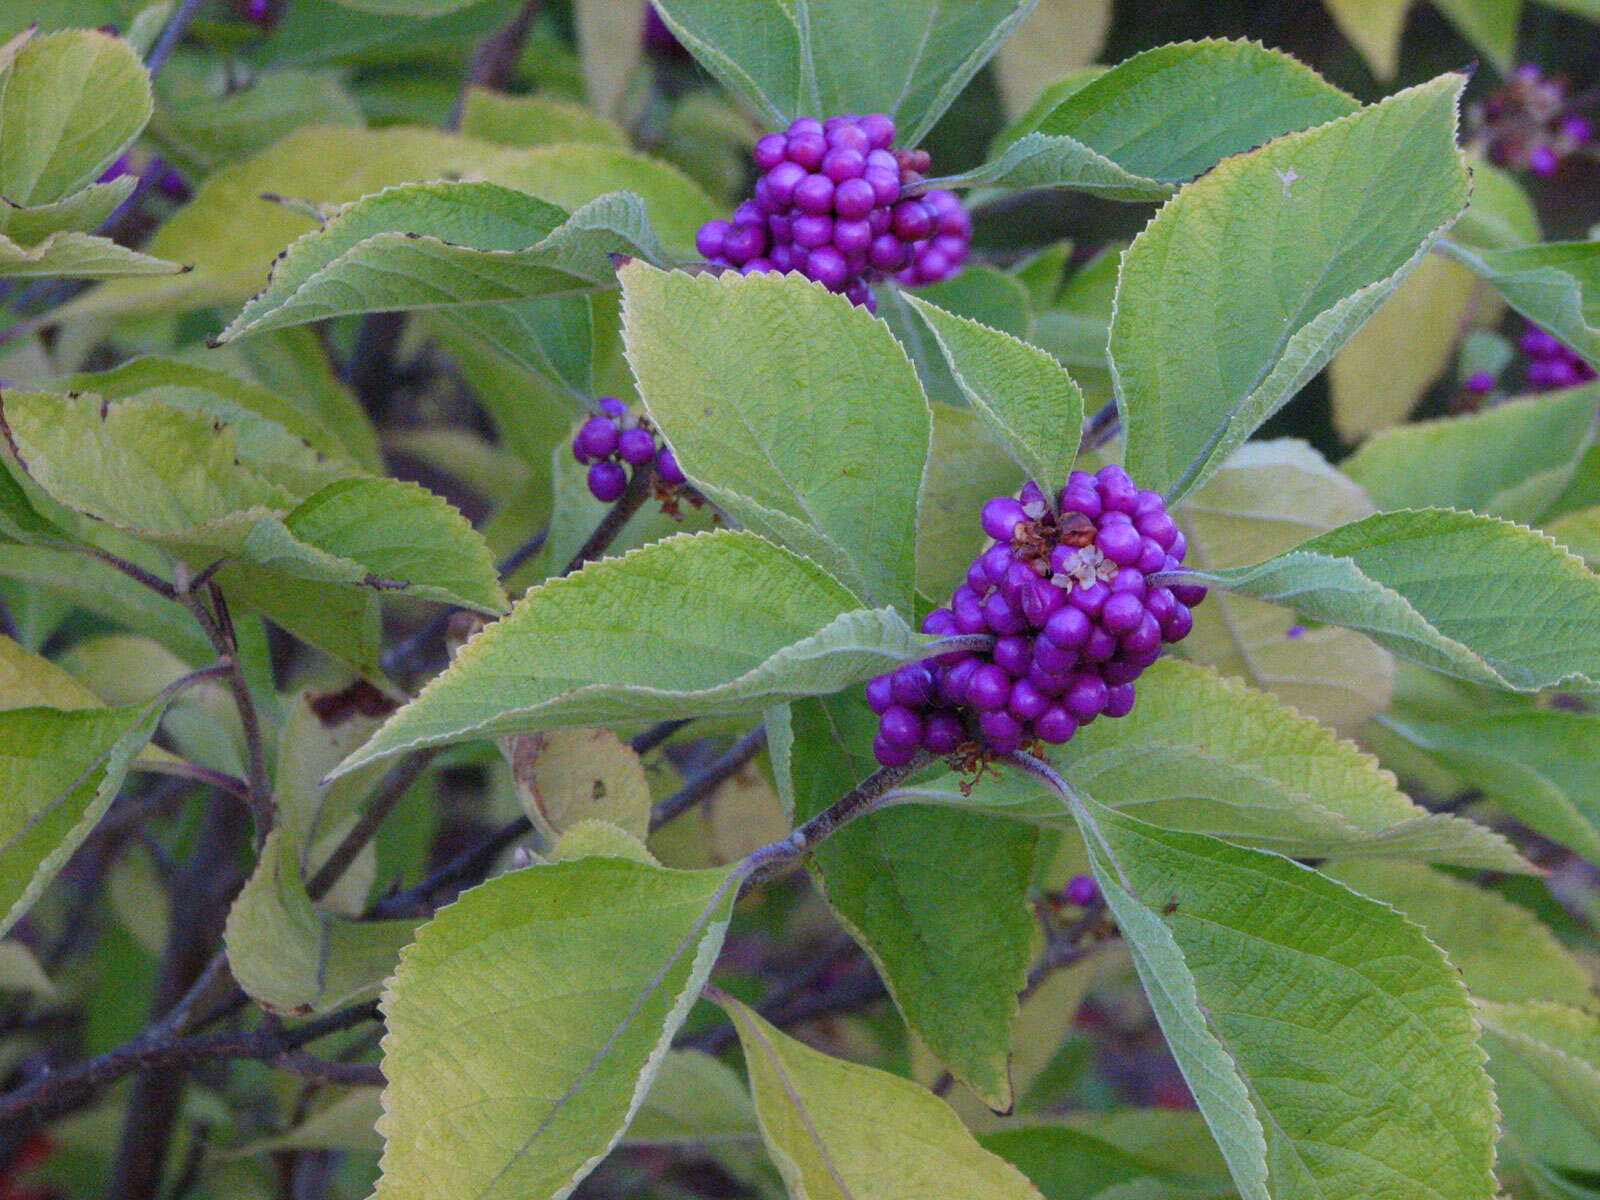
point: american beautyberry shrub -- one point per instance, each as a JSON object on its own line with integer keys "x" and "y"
{"x": 1069, "y": 592}
{"x": 615, "y": 444}
{"x": 1531, "y": 124}
{"x": 837, "y": 202}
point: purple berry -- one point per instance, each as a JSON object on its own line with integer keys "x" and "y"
{"x": 968, "y": 610}
{"x": 891, "y": 756}
{"x": 597, "y": 439}
{"x": 1119, "y": 700}
{"x": 942, "y": 734}
{"x": 901, "y": 728}
{"x": 940, "y": 622}
{"x": 843, "y": 163}
{"x": 607, "y": 481}
{"x": 1068, "y": 628}
{"x": 1177, "y": 626}
{"x": 806, "y": 149}
{"x": 1145, "y": 638}
{"x": 1000, "y": 616}
{"x": 1001, "y": 516}
{"x": 1086, "y": 698}
{"x": 1056, "y": 725}
{"x": 1089, "y": 600}
{"x": 879, "y": 130}
{"x": 612, "y": 407}
{"x": 770, "y": 151}
{"x": 1188, "y": 594}
{"x": 668, "y": 469}
{"x": 1122, "y": 613}
{"x": 1048, "y": 656}
{"x": 1099, "y": 647}
{"x": 880, "y": 694}
{"x": 955, "y": 685}
{"x": 1040, "y": 600}
{"x": 1480, "y": 383}
{"x": 854, "y": 199}
{"x": 1576, "y": 129}
{"x": 1542, "y": 161}
{"x": 988, "y": 688}
{"x": 1014, "y": 654}
{"x": 814, "y": 195}
{"x": 812, "y": 231}
{"x": 1027, "y": 701}
{"x": 1117, "y": 672}
{"x": 913, "y": 686}
{"x": 1082, "y": 891}
{"x": 1002, "y": 731}
{"x": 1120, "y": 543}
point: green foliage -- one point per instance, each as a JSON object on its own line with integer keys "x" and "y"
{"x": 605, "y": 955}
{"x": 1370, "y": 1008}
{"x": 1161, "y": 118}
{"x": 387, "y": 802}
{"x": 1249, "y": 279}
{"x": 779, "y": 434}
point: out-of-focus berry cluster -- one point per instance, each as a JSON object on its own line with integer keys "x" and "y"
{"x": 1066, "y": 593}
{"x": 1550, "y": 364}
{"x": 837, "y": 203}
{"x": 1528, "y": 125}
{"x": 613, "y": 442}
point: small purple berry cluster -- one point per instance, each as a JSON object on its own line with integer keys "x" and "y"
{"x": 1528, "y": 125}
{"x": 612, "y": 442}
{"x": 1550, "y": 364}
{"x": 835, "y": 203}
{"x": 1067, "y": 597}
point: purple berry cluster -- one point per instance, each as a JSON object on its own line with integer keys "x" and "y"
{"x": 835, "y": 202}
{"x": 1528, "y": 125}
{"x": 1067, "y": 597}
{"x": 1550, "y": 364}
{"x": 612, "y": 442}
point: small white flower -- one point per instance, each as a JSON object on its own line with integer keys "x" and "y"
{"x": 1085, "y": 566}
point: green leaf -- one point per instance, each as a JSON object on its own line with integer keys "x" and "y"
{"x": 70, "y": 102}
{"x": 1018, "y": 390}
{"x": 1329, "y": 1044}
{"x": 1490, "y": 25}
{"x": 438, "y": 245}
{"x": 1475, "y": 597}
{"x": 1391, "y": 362}
{"x": 965, "y": 468}
{"x": 217, "y": 391}
{"x": 59, "y": 772}
{"x": 1556, "y": 286}
{"x": 822, "y": 451}
{"x": 28, "y": 680}
{"x": 1265, "y": 498}
{"x": 1509, "y": 461}
{"x": 203, "y": 131}
{"x": 604, "y": 957}
{"x": 1161, "y": 118}
{"x": 699, "y": 624}
{"x": 1245, "y": 283}
{"x": 1109, "y": 1156}
{"x": 793, "y": 57}
{"x": 811, "y": 1109}
{"x": 567, "y": 776}
{"x": 611, "y": 48}
{"x": 1560, "y": 1044}
{"x": 1502, "y": 951}
{"x": 292, "y": 957}
{"x": 1200, "y": 753}
{"x": 953, "y": 958}
{"x": 1374, "y": 28}
{"x": 83, "y": 211}
{"x": 74, "y": 255}
{"x": 401, "y": 533}
{"x": 534, "y": 120}
{"x": 1579, "y": 532}
{"x": 695, "y": 1101}
{"x": 1538, "y": 765}
{"x": 231, "y": 234}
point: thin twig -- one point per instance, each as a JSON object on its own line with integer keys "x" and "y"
{"x": 648, "y": 740}
{"x": 702, "y": 785}
{"x": 345, "y": 1074}
{"x": 1100, "y": 428}
{"x": 495, "y": 59}
{"x": 394, "y": 787}
{"x": 171, "y": 36}
{"x": 620, "y": 513}
{"x": 468, "y": 867}
{"x": 62, "y": 1091}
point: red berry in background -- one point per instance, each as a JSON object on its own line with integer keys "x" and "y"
{"x": 1066, "y": 593}
{"x": 834, "y": 203}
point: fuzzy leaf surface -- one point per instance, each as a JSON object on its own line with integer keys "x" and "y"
{"x": 1482, "y": 599}
{"x": 603, "y": 957}
{"x": 821, "y": 451}
{"x": 709, "y": 623}
{"x": 1247, "y": 281}
{"x": 1329, "y": 1044}
{"x": 1160, "y": 118}
{"x": 842, "y": 1131}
